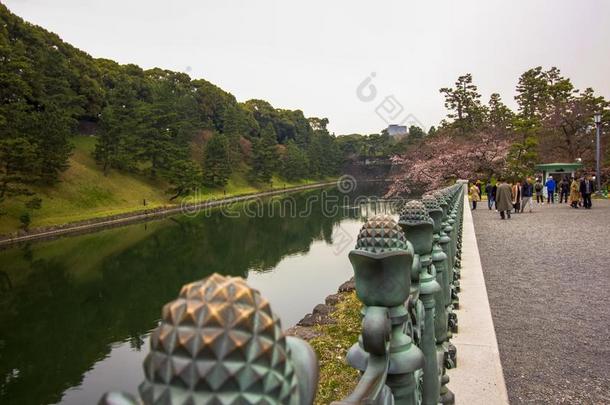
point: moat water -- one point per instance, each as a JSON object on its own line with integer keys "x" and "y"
{"x": 76, "y": 312}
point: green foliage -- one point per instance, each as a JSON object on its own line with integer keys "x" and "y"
{"x": 264, "y": 155}
{"x": 185, "y": 177}
{"x": 295, "y": 164}
{"x": 416, "y": 133}
{"x": 39, "y": 104}
{"x": 52, "y": 137}
{"x": 39, "y": 96}
{"x": 361, "y": 147}
{"x": 166, "y": 126}
{"x": 560, "y": 115}
{"x": 539, "y": 91}
{"x": 25, "y": 219}
{"x": 18, "y": 167}
{"x": 220, "y": 111}
{"x": 323, "y": 154}
{"x": 118, "y": 124}
{"x": 532, "y": 94}
{"x": 500, "y": 118}
{"x": 522, "y": 157}
{"x": 239, "y": 121}
{"x": 216, "y": 165}
{"x": 464, "y": 105}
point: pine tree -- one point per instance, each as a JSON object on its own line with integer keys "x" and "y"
{"x": 185, "y": 177}
{"x": 464, "y": 104}
{"x": 324, "y": 153}
{"x": 264, "y": 155}
{"x": 416, "y": 133}
{"x": 118, "y": 124}
{"x": 500, "y": 118}
{"x": 19, "y": 161}
{"x": 295, "y": 163}
{"x": 522, "y": 157}
{"x": 216, "y": 164}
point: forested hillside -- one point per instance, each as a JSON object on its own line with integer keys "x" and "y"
{"x": 157, "y": 125}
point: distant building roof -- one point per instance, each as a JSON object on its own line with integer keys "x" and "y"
{"x": 394, "y": 130}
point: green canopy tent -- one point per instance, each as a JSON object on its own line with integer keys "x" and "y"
{"x": 558, "y": 170}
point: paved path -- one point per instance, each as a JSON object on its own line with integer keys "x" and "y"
{"x": 548, "y": 280}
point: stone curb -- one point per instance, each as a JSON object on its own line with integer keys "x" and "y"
{"x": 478, "y": 378}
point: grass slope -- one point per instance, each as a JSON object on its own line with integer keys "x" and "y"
{"x": 85, "y": 193}
{"x": 337, "y": 379}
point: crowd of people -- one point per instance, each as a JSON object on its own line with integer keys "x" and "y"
{"x": 507, "y": 196}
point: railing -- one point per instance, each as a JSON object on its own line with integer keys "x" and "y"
{"x": 220, "y": 343}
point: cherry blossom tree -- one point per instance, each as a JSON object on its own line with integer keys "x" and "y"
{"x": 444, "y": 158}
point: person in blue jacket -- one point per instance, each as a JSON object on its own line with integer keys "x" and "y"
{"x": 550, "y": 189}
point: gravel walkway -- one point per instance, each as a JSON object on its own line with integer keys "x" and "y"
{"x": 548, "y": 279}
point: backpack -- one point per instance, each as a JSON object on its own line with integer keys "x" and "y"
{"x": 538, "y": 187}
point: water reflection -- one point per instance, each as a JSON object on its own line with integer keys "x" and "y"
{"x": 75, "y": 312}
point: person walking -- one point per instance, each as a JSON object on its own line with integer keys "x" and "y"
{"x": 550, "y": 189}
{"x": 538, "y": 187}
{"x": 517, "y": 197}
{"x": 574, "y": 193}
{"x": 586, "y": 189}
{"x": 564, "y": 190}
{"x": 489, "y": 188}
{"x": 475, "y": 195}
{"x": 504, "y": 199}
{"x": 527, "y": 190}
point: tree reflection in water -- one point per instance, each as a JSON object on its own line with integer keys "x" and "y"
{"x": 65, "y": 303}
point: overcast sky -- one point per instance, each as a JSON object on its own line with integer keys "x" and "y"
{"x": 313, "y": 55}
